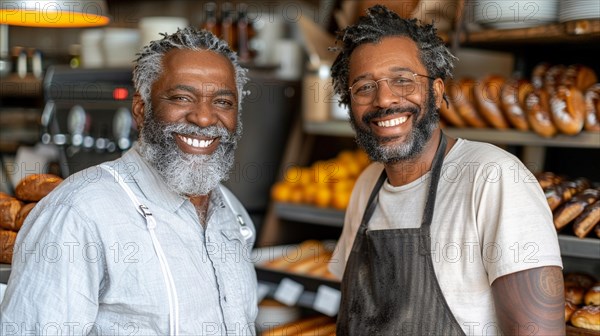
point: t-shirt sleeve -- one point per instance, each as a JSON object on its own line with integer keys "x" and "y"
{"x": 56, "y": 274}
{"x": 514, "y": 220}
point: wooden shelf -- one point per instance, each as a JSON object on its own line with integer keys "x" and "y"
{"x": 579, "y": 31}
{"x": 14, "y": 86}
{"x": 502, "y": 137}
{"x": 310, "y": 214}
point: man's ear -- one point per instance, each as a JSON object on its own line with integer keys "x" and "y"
{"x": 438, "y": 89}
{"x": 138, "y": 110}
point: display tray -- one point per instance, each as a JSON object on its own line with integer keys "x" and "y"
{"x": 309, "y": 214}
{"x": 579, "y": 247}
{"x": 574, "y": 331}
{"x": 4, "y": 273}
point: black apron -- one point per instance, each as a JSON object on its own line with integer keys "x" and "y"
{"x": 389, "y": 285}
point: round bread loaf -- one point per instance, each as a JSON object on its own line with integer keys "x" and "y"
{"x": 22, "y": 215}
{"x": 579, "y": 76}
{"x": 587, "y": 317}
{"x": 9, "y": 209}
{"x": 34, "y": 187}
{"x": 570, "y": 308}
{"x": 512, "y": 100}
{"x": 487, "y": 98}
{"x": 592, "y": 108}
{"x": 449, "y": 114}
{"x": 574, "y": 294}
{"x": 7, "y": 243}
{"x": 538, "y": 74}
{"x": 537, "y": 107}
{"x": 461, "y": 96}
{"x": 567, "y": 107}
{"x": 592, "y": 296}
{"x": 579, "y": 279}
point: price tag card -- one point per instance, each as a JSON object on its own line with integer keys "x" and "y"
{"x": 288, "y": 292}
{"x": 263, "y": 290}
{"x": 327, "y": 300}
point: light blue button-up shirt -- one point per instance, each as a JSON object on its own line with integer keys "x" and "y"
{"x": 84, "y": 262}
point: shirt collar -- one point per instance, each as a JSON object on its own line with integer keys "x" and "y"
{"x": 153, "y": 186}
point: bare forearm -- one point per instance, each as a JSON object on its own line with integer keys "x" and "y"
{"x": 531, "y": 302}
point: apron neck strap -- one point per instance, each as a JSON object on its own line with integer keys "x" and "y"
{"x": 436, "y": 169}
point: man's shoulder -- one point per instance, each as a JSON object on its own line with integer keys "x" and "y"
{"x": 481, "y": 152}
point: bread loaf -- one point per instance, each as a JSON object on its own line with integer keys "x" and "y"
{"x": 7, "y": 244}
{"x": 512, "y": 101}
{"x": 297, "y": 327}
{"x": 574, "y": 207}
{"x": 22, "y": 215}
{"x": 537, "y": 107}
{"x": 592, "y": 108}
{"x": 567, "y": 107}
{"x": 579, "y": 76}
{"x": 9, "y": 209}
{"x": 34, "y": 187}
{"x": 570, "y": 308}
{"x": 487, "y": 98}
{"x": 587, "y": 220}
{"x": 574, "y": 294}
{"x": 592, "y": 296}
{"x": 587, "y": 317}
{"x": 449, "y": 113}
{"x": 583, "y": 280}
{"x": 461, "y": 97}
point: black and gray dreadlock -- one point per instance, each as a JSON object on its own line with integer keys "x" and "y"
{"x": 380, "y": 22}
{"x": 148, "y": 65}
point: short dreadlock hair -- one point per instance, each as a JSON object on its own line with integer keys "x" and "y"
{"x": 148, "y": 65}
{"x": 380, "y": 22}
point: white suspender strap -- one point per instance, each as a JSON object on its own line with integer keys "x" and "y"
{"x": 164, "y": 265}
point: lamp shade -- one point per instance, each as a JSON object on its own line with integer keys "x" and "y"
{"x": 55, "y": 14}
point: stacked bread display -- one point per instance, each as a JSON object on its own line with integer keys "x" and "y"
{"x": 558, "y": 99}
{"x": 575, "y": 203}
{"x": 582, "y": 301}
{"x": 319, "y": 325}
{"x": 309, "y": 258}
{"x": 14, "y": 210}
{"x": 325, "y": 183}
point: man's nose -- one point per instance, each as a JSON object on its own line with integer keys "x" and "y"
{"x": 384, "y": 97}
{"x": 203, "y": 114}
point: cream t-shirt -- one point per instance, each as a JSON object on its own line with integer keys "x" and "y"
{"x": 491, "y": 219}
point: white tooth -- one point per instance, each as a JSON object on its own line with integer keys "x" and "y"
{"x": 386, "y": 123}
{"x": 195, "y": 143}
{"x": 403, "y": 120}
{"x": 394, "y": 122}
{"x": 203, "y": 143}
{"x": 190, "y": 142}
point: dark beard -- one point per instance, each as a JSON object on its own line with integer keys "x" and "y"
{"x": 187, "y": 174}
{"x": 421, "y": 132}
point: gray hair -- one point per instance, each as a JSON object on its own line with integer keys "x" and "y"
{"x": 380, "y": 22}
{"x": 148, "y": 65}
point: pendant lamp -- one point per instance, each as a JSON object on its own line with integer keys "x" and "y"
{"x": 54, "y": 14}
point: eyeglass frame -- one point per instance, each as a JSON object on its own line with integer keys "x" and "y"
{"x": 414, "y": 74}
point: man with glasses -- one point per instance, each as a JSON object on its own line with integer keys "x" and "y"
{"x": 442, "y": 236}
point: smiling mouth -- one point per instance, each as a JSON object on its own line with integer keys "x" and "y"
{"x": 392, "y": 122}
{"x": 196, "y": 143}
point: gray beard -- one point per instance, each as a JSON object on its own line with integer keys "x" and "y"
{"x": 422, "y": 131}
{"x": 187, "y": 174}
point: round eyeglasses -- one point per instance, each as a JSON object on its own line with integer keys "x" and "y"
{"x": 402, "y": 84}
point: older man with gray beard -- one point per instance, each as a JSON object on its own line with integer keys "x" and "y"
{"x": 150, "y": 243}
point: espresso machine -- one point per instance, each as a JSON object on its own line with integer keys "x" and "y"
{"x": 87, "y": 115}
